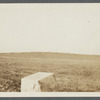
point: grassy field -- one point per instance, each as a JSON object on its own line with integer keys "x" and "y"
{"x": 73, "y": 73}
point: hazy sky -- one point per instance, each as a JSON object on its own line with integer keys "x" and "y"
{"x": 70, "y": 28}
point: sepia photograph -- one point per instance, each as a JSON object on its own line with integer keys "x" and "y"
{"x": 49, "y": 48}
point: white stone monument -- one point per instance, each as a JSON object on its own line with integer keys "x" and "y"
{"x": 38, "y": 82}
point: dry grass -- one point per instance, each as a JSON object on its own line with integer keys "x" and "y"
{"x": 74, "y": 73}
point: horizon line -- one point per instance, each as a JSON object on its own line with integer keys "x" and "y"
{"x": 49, "y": 52}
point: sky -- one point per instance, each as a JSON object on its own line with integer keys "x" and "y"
{"x": 68, "y": 28}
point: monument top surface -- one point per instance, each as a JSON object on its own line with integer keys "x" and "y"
{"x": 38, "y": 76}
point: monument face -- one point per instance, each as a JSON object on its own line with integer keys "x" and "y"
{"x": 38, "y": 82}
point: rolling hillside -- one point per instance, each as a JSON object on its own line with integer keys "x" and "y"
{"x": 73, "y": 72}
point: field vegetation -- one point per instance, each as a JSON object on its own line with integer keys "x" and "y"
{"x": 73, "y": 72}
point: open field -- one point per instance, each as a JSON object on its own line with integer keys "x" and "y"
{"x": 74, "y": 73}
